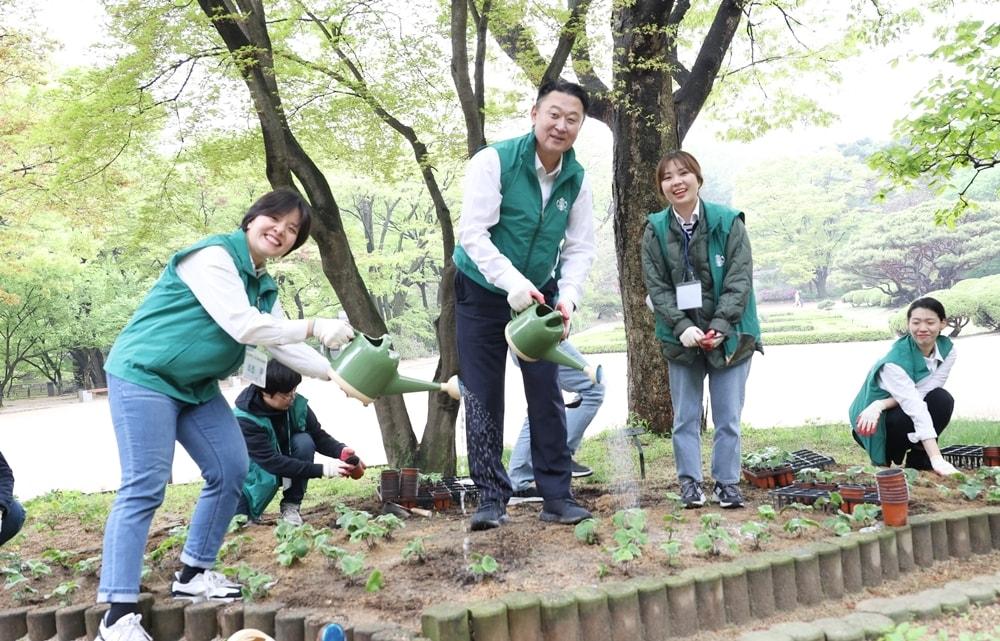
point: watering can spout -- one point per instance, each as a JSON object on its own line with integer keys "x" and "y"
{"x": 535, "y": 334}
{"x": 561, "y": 357}
{"x": 405, "y": 385}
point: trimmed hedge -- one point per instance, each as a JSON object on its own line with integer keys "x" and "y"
{"x": 770, "y": 328}
{"x": 869, "y": 297}
{"x": 808, "y": 338}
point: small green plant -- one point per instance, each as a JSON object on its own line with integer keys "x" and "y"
{"x": 865, "y": 514}
{"x": 839, "y": 524}
{"x": 414, "y": 551}
{"x": 586, "y": 532}
{"x": 63, "y": 593}
{"x": 906, "y": 632}
{"x": 971, "y": 488}
{"x": 713, "y": 537}
{"x": 993, "y": 495}
{"x": 672, "y": 547}
{"x": 911, "y": 475}
{"x": 375, "y": 581}
{"x": 431, "y": 478}
{"x": 767, "y": 458}
{"x": 766, "y": 512}
{"x": 351, "y": 566}
{"x": 482, "y": 565}
{"x": 603, "y": 570}
{"x": 238, "y": 523}
{"x": 58, "y": 557}
{"x": 630, "y": 536}
{"x": 294, "y": 542}
{"x": 37, "y": 568}
{"x": 806, "y": 475}
{"x": 256, "y": 584}
{"x": 233, "y": 546}
{"x": 174, "y": 540}
{"x": 88, "y": 566}
{"x": 22, "y": 592}
{"x": 757, "y": 532}
{"x": 799, "y": 524}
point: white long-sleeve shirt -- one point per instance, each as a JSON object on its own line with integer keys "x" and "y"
{"x": 481, "y": 210}
{"x": 212, "y": 277}
{"x": 910, "y": 395}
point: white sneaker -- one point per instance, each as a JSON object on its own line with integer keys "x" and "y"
{"x": 127, "y": 628}
{"x": 207, "y": 586}
{"x": 290, "y": 513}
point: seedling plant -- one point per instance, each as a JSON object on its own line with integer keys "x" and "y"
{"x": 630, "y": 535}
{"x": 672, "y": 547}
{"x": 414, "y": 551}
{"x": 713, "y": 538}
{"x": 586, "y": 532}
{"x": 482, "y": 566}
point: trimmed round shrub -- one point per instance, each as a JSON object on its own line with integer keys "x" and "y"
{"x": 868, "y": 297}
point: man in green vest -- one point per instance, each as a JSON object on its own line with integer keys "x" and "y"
{"x": 527, "y": 215}
{"x": 282, "y": 436}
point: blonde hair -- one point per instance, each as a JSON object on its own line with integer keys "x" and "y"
{"x": 250, "y": 635}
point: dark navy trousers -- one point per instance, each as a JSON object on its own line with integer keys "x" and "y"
{"x": 480, "y": 318}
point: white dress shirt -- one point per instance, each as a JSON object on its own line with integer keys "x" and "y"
{"x": 910, "y": 395}
{"x": 211, "y": 276}
{"x": 481, "y": 210}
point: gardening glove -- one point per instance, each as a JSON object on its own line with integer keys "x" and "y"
{"x": 942, "y": 467}
{"x": 521, "y": 299}
{"x": 566, "y": 309}
{"x": 357, "y": 466}
{"x": 692, "y": 336}
{"x": 332, "y": 332}
{"x": 711, "y": 340}
{"x": 333, "y": 468}
{"x": 868, "y": 419}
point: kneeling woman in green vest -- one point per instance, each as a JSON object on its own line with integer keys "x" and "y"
{"x": 213, "y": 300}
{"x": 282, "y": 436}
{"x": 903, "y": 407}
{"x": 698, "y": 269}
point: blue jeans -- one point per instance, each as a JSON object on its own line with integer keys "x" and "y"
{"x": 726, "y": 387}
{"x": 12, "y": 521}
{"x": 147, "y": 423}
{"x": 577, "y": 420}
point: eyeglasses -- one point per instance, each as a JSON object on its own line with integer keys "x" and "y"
{"x": 284, "y": 396}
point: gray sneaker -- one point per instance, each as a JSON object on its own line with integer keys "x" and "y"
{"x": 290, "y": 513}
{"x": 691, "y": 494}
{"x": 727, "y": 495}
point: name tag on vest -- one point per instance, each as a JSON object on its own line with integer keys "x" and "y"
{"x": 255, "y": 367}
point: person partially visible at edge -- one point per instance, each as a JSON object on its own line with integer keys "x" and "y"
{"x": 902, "y": 407}
{"x": 698, "y": 269}
{"x": 527, "y": 212}
{"x": 589, "y": 396}
{"x": 282, "y": 435}
{"x": 11, "y": 512}
{"x": 213, "y": 300}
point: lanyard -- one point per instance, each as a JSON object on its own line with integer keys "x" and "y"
{"x": 686, "y": 242}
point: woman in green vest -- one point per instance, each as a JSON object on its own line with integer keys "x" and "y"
{"x": 212, "y": 304}
{"x": 902, "y": 406}
{"x": 698, "y": 270}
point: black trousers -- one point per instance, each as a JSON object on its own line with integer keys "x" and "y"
{"x": 898, "y": 425}
{"x": 480, "y": 318}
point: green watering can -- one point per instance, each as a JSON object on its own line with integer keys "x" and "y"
{"x": 535, "y": 334}
{"x": 366, "y": 369}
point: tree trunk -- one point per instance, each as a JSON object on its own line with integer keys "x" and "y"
{"x": 819, "y": 280}
{"x": 644, "y": 127}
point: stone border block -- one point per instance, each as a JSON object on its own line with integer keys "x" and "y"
{"x": 560, "y": 621}
{"x": 623, "y": 611}
{"x": 786, "y": 592}
{"x": 807, "y": 577}
{"x": 831, "y": 569}
{"x": 168, "y": 620}
{"x": 260, "y": 616}
{"x": 871, "y": 559}
{"x": 42, "y": 624}
{"x": 959, "y": 542}
{"x": 595, "y": 619}
{"x": 92, "y": 618}
{"x": 840, "y": 630}
{"x": 230, "y": 619}
{"x": 488, "y": 621}
{"x": 290, "y": 625}
{"x": 201, "y": 621}
{"x": 683, "y": 600}
{"x": 447, "y": 622}
{"x": 764, "y": 635}
{"x": 524, "y": 616}
{"x": 736, "y": 594}
{"x": 368, "y": 631}
{"x": 71, "y": 622}
{"x": 888, "y": 555}
{"x": 977, "y": 593}
{"x": 761, "y": 588}
{"x": 873, "y": 625}
{"x": 654, "y": 609}
{"x": 710, "y": 598}
{"x": 904, "y": 548}
{"x": 979, "y": 533}
{"x": 850, "y": 558}
{"x": 13, "y": 623}
{"x": 895, "y": 609}
{"x": 993, "y": 513}
{"x": 390, "y": 634}
{"x": 799, "y": 631}
{"x": 923, "y": 542}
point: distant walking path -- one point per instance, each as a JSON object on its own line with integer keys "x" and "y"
{"x": 71, "y": 445}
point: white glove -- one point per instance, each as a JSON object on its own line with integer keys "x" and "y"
{"x": 521, "y": 299}
{"x": 691, "y": 337}
{"x": 942, "y": 467}
{"x": 333, "y": 468}
{"x": 868, "y": 418}
{"x": 332, "y": 332}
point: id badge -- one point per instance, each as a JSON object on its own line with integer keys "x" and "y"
{"x": 255, "y": 367}
{"x": 689, "y": 295}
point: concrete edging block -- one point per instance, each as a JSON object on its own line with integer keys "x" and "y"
{"x": 760, "y": 585}
{"x": 290, "y": 625}
{"x": 488, "y": 621}
{"x": 807, "y": 577}
{"x": 524, "y": 616}
{"x": 959, "y": 542}
{"x": 230, "y": 619}
{"x": 923, "y": 542}
{"x": 445, "y": 622}
{"x": 623, "y": 611}
{"x": 71, "y": 622}
{"x": 595, "y": 618}
{"x": 873, "y": 625}
{"x": 42, "y": 624}
{"x": 871, "y": 559}
{"x": 654, "y": 609}
{"x": 201, "y": 621}
{"x": 168, "y": 620}
{"x": 682, "y": 597}
{"x": 736, "y": 593}
{"x": 367, "y": 631}
{"x": 993, "y": 514}
{"x": 840, "y": 630}
{"x": 979, "y": 533}
{"x": 850, "y": 558}
{"x": 92, "y": 618}
{"x": 260, "y": 616}
{"x": 831, "y": 569}
{"x": 783, "y": 580}
{"x": 710, "y": 599}
{"x": 13, "y": 623}
{"x": 560, "y": 621}
{"x": 904, "y": 548}
{"x": 888, "y": 555}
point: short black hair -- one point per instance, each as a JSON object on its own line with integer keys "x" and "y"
{"x": 564, "y": 86}
{"x": 280, "y": 378}
{"x": 278, "y": 203}
{"x": 927, "y": 302}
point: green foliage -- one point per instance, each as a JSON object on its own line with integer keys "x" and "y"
{"x": 766, "y": 458}
{"x": 766, "y": 512}
{"x": 798, "y": 524}
{"x": 88, "y": 566}
{"x": 375, "y": 581}
{"x": 351, "y": 566}
{"x": 482, "y": 566}
{"x": 757, "y": 532}
{"x": 713, "y": 537}
{"x": 586, "y": 532}
{"x": 294, "y": 542}
{"x": 360, "y": 526}
{"x": 232, "y": 546}
{"x": 57, "y": 556}
{"x": 414, "y": 551}
{"x": 175, "y": 540}
{"x": 63, "y": 593}
{"x": 256, "y": 584}
{"x": 867, "y": 297}
{"x": 629, "y": 536}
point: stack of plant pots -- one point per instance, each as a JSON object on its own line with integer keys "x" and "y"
{"x": 388, "y": 487}
{"x": 894, "y": 496}
{"x": 991, "y": 456}
{"x": 852, "y": 495}
{"x": 409, "y": 485}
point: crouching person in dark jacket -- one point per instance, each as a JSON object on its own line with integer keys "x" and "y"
{"x": 282, "y": 435}
{"x": 11, "y": 512}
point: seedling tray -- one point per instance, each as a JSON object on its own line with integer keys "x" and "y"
{"x": 783, "y": 496}
{"x": 457, "y": 485}
{"x": 802, "y": 459}
{"x": 967, "y": 456}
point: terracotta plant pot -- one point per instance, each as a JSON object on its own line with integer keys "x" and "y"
{"x": 409, "y": 479}
{"x": 991, "y": 456}
{"x": 389, "y": 485}
{"x": 442, "y": 499}
{"x": 894, "y": 514}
